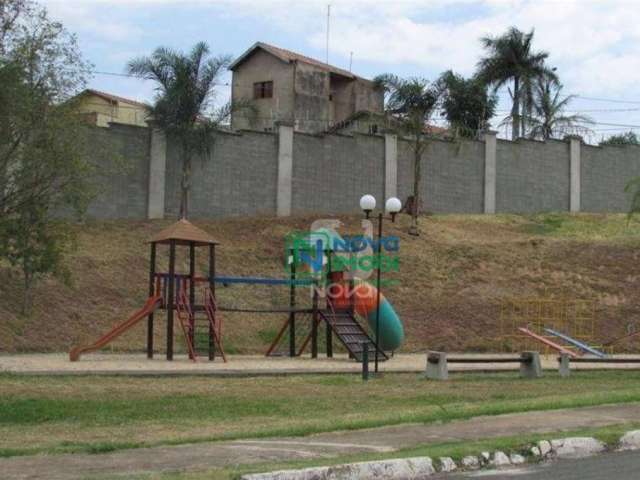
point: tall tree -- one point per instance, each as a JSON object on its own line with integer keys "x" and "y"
{"x": 411, "y": 103}
{"x": 43, "y": 169}
{"x": 40, "y": 67}
{"x": 511, "y": 59}
{"x": 627, "y": 138}
{"x": 548, "y": 119}
{"x": 467, "y": 104}
{"x": 183, "y": 105}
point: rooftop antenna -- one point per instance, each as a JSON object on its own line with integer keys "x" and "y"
{"x": 328, "y": 20}
{"x": 350, "y": 60}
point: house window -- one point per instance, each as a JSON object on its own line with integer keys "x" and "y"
{"x": 263, "y": 90}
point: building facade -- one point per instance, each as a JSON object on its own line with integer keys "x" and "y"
{"x": 101, "y": 108}
{"x": 284, "y": 86}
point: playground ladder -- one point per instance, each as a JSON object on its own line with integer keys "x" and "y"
{"x": 214, "y": 321}
{"x": 186, "y": 320}
{"x": 351, "y": 333}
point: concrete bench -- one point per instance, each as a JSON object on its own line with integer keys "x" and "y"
{"x": 564, "y": 362}
{"x": 437, "y": 364}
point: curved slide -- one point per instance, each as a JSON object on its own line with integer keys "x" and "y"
{"x": 150, "y": 305}
{"x": 365, "y": 300}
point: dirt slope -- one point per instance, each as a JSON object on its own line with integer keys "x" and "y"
{"x": 451, "y": 281}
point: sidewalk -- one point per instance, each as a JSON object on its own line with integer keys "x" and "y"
{"x": 203, "y": 456}
{"x": 252, "y": 365}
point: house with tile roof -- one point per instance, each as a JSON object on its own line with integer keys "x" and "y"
{"x": 284, "y": 86}
{"x": 101, "y": 108}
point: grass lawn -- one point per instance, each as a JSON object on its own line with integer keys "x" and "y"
{"x": 521, "y": 444}
{"x": 98, "y": 414}
{"x": 451, "y": 283}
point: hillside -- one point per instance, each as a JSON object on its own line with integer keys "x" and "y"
{"x": 451, "y": 281}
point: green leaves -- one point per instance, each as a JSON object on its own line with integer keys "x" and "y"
{"x": 44, "y": 166}
{"x": 633, "y": 186}
{"x": 184, "y": 106}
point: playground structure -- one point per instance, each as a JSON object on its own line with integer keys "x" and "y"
{"x": 176, "y": 294}
{"x": 525, "y": 322}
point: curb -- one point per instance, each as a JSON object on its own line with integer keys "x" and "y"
{"x": 421, "y": 467}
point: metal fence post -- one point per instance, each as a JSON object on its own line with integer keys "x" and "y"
{"x": 365, "y": 361}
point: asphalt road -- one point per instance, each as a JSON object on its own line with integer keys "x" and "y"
{"x": 612, "y": 466}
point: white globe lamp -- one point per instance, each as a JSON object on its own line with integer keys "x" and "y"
{"x": 367, "y": 204}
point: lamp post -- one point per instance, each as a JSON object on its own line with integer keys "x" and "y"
{"x": 392, "y": 206}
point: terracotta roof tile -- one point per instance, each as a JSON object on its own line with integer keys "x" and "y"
{"x": 113, "y": 98}
{"x": 183, "y": 232}
{"x": 289, "y": 56}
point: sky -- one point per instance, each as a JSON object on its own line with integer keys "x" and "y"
{"x": 594, "y": 44}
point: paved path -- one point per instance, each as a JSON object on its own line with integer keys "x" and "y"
{"x": 615, "y": 466}
{"x": 250, "y": 365}
{"x": 204, "y": 456}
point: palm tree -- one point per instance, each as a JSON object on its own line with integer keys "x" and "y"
{"x": 548, "y": 120}
{"x": 411, "y": 103}
{"x": 510, "y": 59}
{"x": 183, "y": 105}
{"x": 467, "y": 105}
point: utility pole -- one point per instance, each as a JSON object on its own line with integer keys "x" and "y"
{"x": 350, "y": 60}
{"x": 328, "y": 21}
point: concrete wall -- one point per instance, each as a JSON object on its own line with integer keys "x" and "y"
{"x": 279, "y": 173}
{"x": 532, "y": 176}
{"x": 121, "y": 153}
{"x": 331, "y": 173}
{"x": 452, "y": 176}
{"x": 238, "y": 177}
{"x": 604, "y": 173}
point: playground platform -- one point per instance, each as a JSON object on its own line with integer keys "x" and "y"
{"x": 248, "y": 365}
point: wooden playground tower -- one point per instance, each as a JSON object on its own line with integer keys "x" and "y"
{"x": 175, "y": 293}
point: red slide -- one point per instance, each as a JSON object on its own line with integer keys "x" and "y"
{"x": 150, "y": 305}
{"x": 547, "y": 342}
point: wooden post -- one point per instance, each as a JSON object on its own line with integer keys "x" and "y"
{"x": 292, "y": 305}
{"x": 212, "y": 287}
{"x": 152, "y": 277}
{"x": 329, "y": 332}
{"x": 314, "y": 326}
{"x": 192, "y": 293}
{"x": 171, "y": 298}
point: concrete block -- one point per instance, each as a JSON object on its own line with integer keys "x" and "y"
{"x": 630, "y": 440}
{"x": 447, "y": 464}
{"x": 470, "y": 462}
{"x": 575, "y": 144}
{"x": 490, "y": 143}
{"x": 437, "y": 366}
{"x": 405, "y": 468}
{"x": 564, "y": 368}
{"x": 576, "y": 447}
{"x": 531, "y": 367}
{"x": 285, "y": 170}
{"x": 500, "y": 459}
{"x": 157, "y": 173}
{"x": 390, "y": 165}
{"x": 545, "y": 447}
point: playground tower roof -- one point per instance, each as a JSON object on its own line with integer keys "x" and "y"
{"x": 184, "y": 233}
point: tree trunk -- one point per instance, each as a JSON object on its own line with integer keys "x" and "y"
{"x": 417, "y": 177}
{"x": 515, "y": 110}
{"x": 185, "y": 182}
{"x": 27, "y": 300}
